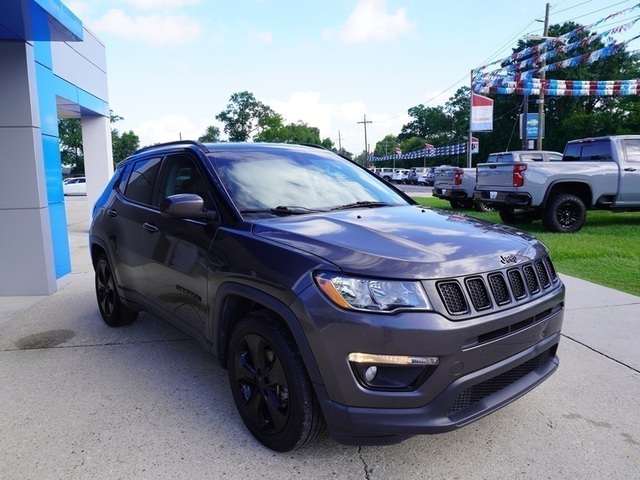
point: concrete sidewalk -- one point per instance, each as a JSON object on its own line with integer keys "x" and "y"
{"x": 82, "y": 400}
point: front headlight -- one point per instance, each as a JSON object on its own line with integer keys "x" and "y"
{"x": 375, "y": 295}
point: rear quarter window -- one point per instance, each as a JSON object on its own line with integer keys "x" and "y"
{"x": 142, "y": 180}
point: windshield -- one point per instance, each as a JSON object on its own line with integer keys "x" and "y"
{"x": 281, "y": 180}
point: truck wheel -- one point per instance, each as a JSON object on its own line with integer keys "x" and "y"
{"x": 270, "y": 385}
{"x": 509, "y": 217}
{"x": 483, "y": 207}
{"x": 461, "y": 204}
{"x": 564, "y": 213}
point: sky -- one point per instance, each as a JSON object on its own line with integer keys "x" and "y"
{"x": 172, "y": 65}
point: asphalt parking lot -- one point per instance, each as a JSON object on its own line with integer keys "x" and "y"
{"x": 82, "y": 400}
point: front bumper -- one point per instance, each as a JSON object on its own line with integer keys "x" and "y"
{"x": 485, "y": 363}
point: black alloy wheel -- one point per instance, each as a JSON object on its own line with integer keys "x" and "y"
{"x": 270, "y": 385}
{"x": 565, "y": 213}
{"x": 113, "y": 312}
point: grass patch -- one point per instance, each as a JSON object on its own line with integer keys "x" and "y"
{"x": 605, "y": 251}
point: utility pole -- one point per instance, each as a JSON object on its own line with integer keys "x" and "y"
{"x": 366, "y": 144}
{"x": 339, "y": 142}
{"x": 543, "y": 76}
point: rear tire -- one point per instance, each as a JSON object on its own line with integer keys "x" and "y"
{"x": 564, "y": 213}
{"x": 483, "y": 207}
{"x": 270, "y": 385}
{"x": 509, "y": 217}
{"x": 113, "y": 311}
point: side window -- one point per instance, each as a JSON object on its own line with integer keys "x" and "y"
{"x": 180, "y": 175}
{"x": 142, "y": 180}
{"x": 532, "y": 157}
{"x": 554, "y": 157}
{"x": 632, "y": 147}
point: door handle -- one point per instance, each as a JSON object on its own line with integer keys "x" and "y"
{"x": 629, "y": 169}
{"x": 112, "y": 213}
{"x": 149, "y": 227}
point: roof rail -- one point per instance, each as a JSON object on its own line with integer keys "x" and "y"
{"x": 176, "y": 142}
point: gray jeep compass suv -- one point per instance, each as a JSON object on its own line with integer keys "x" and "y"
{"x": 329, "y": 296}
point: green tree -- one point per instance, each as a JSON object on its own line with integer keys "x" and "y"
{"x": 386, "y": 146}
{"x": 123, "y": 144}
{"x": 211, "y": 135}
{"x": 245, "y": 117}
{"x": 70, "y": 133}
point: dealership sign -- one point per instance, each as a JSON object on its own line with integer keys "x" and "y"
{"x": 481, "y": 113}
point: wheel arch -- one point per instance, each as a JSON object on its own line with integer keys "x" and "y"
{"x": 580, "y": 189}
{"x": 234, "y": 301}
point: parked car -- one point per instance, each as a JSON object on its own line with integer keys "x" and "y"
{"x": 401, "y": 175}
{"x": 329, "y": 295}
{"x": 386, "y": 173}
{"x": 74, "y": 186}
{"x": 595, "y": 173}
{"x": 414, "y": 173}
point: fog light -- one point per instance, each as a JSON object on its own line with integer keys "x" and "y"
{"x": 371, "y": 373}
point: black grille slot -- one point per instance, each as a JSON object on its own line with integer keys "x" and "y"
{"x": 499, "y": 289}
{"x": 475, "y": 394}
{"x": 517, "y": 284}
{"x": 478, "y": 293}
{"x": 551, "y": 268}
{"x": 542, "y": 274}
{"x": 453, "y": 297}
{"x": 531, "y": 279}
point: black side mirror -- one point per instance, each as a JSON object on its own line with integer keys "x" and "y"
{"x": 184, "y": 205}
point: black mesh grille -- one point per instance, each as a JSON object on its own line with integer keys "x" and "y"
{"x": 551, "y": 268}
{"x": 478, "y": 293}
{"x": 517, "y": 284}
{"x": 453, "y": 298}
{"x": 531, "y": 279}
{"x": 475, "y": 394}
{"x": 499, "y": 289}
{"x": 542, "y": 274}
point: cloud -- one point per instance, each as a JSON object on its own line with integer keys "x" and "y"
{"x": 265, "y": 38}
{"x": 330, "y": 118}
{"x": 169, "y": 128}
{"x": 371, "y": 22}
{"x": 155, "y": 29}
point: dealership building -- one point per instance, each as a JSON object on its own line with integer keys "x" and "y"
{"x": 51, "y": 67}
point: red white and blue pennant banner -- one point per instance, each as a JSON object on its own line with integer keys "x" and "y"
{"x": 571, "y": 88}
{"x": 423, "y": 153}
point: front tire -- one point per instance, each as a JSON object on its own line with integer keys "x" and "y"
{"x": 564, "y": 213}
{"x": 113, "y": 311}
{"x": 270, "y": 385}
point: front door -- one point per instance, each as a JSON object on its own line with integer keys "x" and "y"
{"x": 176, "y": 251}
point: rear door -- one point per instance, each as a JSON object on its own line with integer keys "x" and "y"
{"x": 629, "y": 193}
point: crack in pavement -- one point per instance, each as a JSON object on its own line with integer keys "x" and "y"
{"x": 601, "y": 353}
{"x": 364, "y": 463}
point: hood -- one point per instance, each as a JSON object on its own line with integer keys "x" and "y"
{"x": 406, "y": 242}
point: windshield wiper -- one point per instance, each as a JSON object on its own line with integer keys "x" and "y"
{"x": 283, "y": 210}
{"x": 363, "y": 203}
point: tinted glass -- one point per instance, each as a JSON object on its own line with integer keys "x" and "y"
{"x": 588, "y": 151}
{"x": 506, "y": 158}
{"x": 142, "y": 180}
{"x": 180, "y": 175}
{"x": 265, "y": 179}
{"x": 632, "y": 148}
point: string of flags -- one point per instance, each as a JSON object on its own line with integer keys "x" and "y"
{"x": 554, "y": 43}
{"x": 514, "y": 78}
{"x": 566, "y": 88}
{"x": 428, "y": 151}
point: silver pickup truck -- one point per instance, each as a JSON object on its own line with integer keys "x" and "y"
{"x": 456, "y": 185}
{"x": 595, "y": 173}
